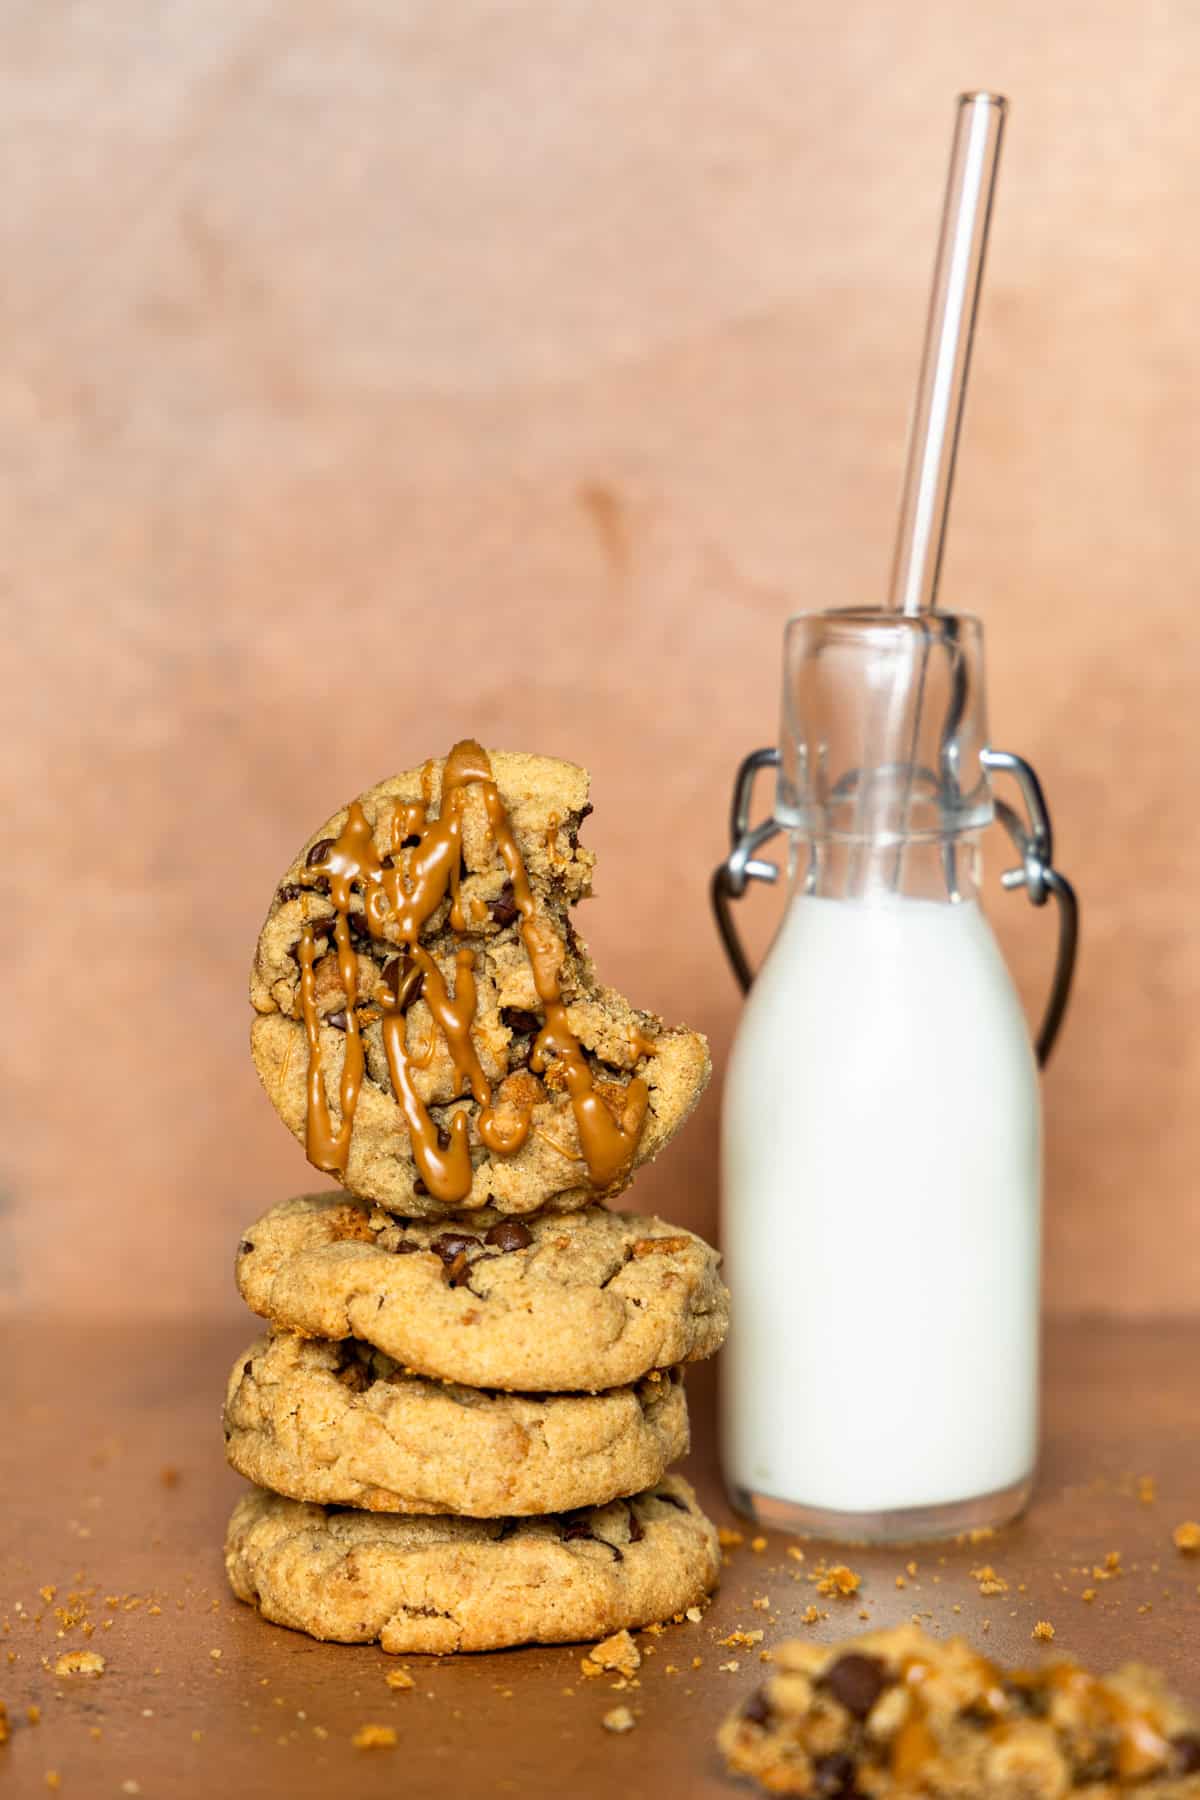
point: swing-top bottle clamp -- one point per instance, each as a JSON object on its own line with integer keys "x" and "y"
{"x": 1032, "y": 838}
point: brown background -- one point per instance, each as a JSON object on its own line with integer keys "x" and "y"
{"x": 378, "y": 373}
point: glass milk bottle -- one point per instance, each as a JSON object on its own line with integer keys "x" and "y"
{"x": 881, "y": 1132}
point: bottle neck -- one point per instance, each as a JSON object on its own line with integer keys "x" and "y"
{"x": 946, "y": 869}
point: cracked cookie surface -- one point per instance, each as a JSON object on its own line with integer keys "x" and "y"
{"x": 561, "y": 1302}
{"x": 440, "y": 1584}
{"x": 341, "y": 1424}
{"x": 359, "y": 1038}
{"x": 897, "y": 1713}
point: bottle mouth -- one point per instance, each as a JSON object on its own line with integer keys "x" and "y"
{"x": 883, "y": 727}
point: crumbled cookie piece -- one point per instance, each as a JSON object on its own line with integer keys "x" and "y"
{"x": 1043, "y": 1631}
{"x": 80, "y": 1662}
{"x": 5, "y": 1731}
{"x": 839, "y": 1582}
{"x": 617, "y": 1653}
{"x": 374, "y": 1737}
{"x": 618, "y": 1719}
{"x": 400, "y": 1681}
{"x": 1187, "y": 1537}
{"x": 897, "y": 1712}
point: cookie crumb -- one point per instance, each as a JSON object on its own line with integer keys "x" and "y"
{"x": 839, "y": 1582}
{"x": 989, "y": 1581}
{"x": 34, "y": 1714}
{"x": 1043, "y": 1631}
{"x": 761, "y": 1603}
{"x": 5, "y": 1733}
{"x": 812, "y": 1616}
{"x": 1088, "y": 1594}
{"x": 740, "y": 1640}
{"x": 731, "y": 1667}
{"x": 80, "y": 1662}
{"x": 374, "y": 1737}
{"x": 728, "y": 1538}
{"x": 1146, "y": 1490}
{"x": 131, "y": 1787}
{"x": 169, "y": 1475}
{"x": 53, "y": 1778}
{"x": 48, "y": 1592}
{"x": 619, "y": 1718}
{"x": 400, "y": 1680}
{"x": 1187, "y": 1537}
{"x": 618, "y": 1652}
{"x": 758, "y": 1544}
{"x": 693, "y": 1615}
{"x": 796, "y": 1554}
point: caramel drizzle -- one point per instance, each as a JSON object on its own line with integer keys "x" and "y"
{"x": 404, "y": 896}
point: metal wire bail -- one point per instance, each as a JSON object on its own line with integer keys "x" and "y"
{"x": 1032, "y": 837}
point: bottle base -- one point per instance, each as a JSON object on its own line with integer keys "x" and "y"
{"x": 901, "y": 1525}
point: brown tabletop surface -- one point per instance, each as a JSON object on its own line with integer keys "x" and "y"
{"x": 113, "y": 1487}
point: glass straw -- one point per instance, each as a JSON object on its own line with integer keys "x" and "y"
{"x": 933, "y": 442}
{"x": 937, "y": 417}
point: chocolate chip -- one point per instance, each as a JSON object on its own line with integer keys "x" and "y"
{"x": 291, "y": 890}
{"x": 520, "y": 1021}
{"x": 857, "y": 1682}
{"x": 834, "y": 1774}
{"x": 337, "y": 1020}
{"x": 509, "y": 1234}
{"x": 443, "y": 1138}
{"x": 503, "y": 908}
{"x": 404, "y": 981}
{"x": 452, "y": 1243}
{"x": 358, "y": 925}
{"x": 412, "y": 841}
{"x": 419, "y": 1186}
{"x": 580, "y": 1530}
{"x": 245, "y": 1247}
{"x": 318, "y": 853}
{"x": 585, "y": 812}
{"x": 406, "y": 1247}
{"x": 1027, "y": 1698}
{"x": 637, "y": 1530}
{"x": 1186, "y": 1748}
{"x": 757, "y": 1708}
{"x": 671, "y": 1500}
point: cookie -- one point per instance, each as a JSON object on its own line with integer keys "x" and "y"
{"x": 441, "y": 1584}
{"x": 559, "y": 1302}
{"x": 899, "y": 1712}
{"x": 429, "y": 1024}
{"x": 342, "y": 1424}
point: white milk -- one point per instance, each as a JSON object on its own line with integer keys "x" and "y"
{"x": 881, "y": 1189}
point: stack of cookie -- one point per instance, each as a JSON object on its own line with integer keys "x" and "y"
{"x": 461, "y": 1423}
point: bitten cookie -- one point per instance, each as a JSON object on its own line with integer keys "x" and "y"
{"x": 442, "y": 1584}
{"x": 897, "y": 1711}
{"x": 561, "y": 1302}
{"x": 341, "y": 1424}
{"x": 428, "y": 1023}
